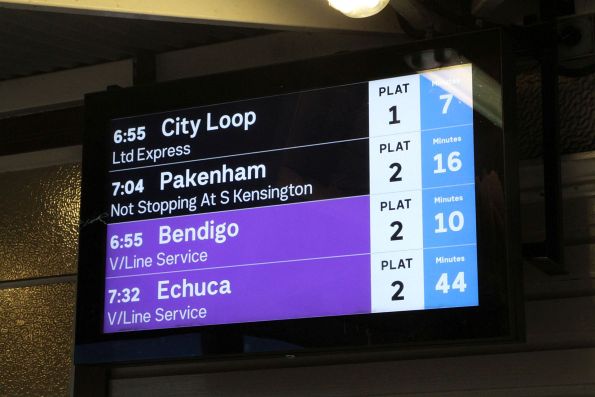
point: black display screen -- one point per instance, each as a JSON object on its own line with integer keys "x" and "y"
{"x": 351, "y": 201}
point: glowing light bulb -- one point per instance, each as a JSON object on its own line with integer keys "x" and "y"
{"x": 358, "y": 8}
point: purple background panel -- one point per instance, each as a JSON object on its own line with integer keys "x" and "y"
{"x": 295, "y": 231}
{"x": 313, "y": 288}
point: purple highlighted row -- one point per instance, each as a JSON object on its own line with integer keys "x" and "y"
{"x": 312, "y": 229}
{"x": 301, "y": 289}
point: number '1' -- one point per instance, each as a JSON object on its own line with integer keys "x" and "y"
{"x": 393, "y": 110}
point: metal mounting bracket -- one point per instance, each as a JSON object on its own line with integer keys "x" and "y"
{"x": 548, "y": 255}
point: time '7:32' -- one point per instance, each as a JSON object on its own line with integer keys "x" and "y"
{"x": 124, "y": 295}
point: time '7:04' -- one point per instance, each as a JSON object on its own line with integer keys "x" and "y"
{"x": 128, "y": 187}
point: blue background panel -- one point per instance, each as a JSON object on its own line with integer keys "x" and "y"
{"x": 432, "y": 106}
{"x": 431, "y": 207}
{"x": 431, "y": 147}
{"x": 432, "y": 271}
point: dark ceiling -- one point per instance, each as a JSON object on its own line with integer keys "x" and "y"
{"x": 33, "y": 42}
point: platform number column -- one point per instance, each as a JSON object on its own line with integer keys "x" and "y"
{"x": 395, "y": 195}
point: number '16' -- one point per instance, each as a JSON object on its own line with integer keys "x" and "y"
{"x": 453, "y": 163}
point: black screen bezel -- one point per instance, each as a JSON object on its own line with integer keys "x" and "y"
{"x": 496, "y": 319}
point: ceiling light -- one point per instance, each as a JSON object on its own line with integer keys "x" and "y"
{"x": 358, "y": 8}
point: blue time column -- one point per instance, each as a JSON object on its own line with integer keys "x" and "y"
{"x": 448, "y": 188}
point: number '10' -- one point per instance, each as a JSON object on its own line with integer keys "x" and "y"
{"x": 456, "y": 221}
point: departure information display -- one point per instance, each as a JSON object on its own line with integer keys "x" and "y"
{"x": 353, "y": 199}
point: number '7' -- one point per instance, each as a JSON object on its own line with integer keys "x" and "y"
{"x": 448, "y": 98}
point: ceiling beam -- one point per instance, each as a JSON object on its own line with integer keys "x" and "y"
{"x": 270, "y": 14}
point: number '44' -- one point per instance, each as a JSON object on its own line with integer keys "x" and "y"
{"x": 458, "y": 283}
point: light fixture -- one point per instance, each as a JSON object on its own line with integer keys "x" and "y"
{"x": 358, "y": 8}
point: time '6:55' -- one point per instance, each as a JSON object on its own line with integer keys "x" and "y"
{"x": 126, "y": 241}
{"x": 130, "y": 135}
